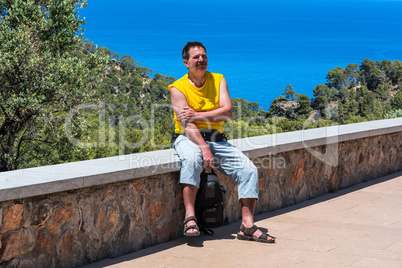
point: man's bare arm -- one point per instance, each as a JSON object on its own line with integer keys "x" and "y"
{"x": 179, "y": 101}
{"x": 224, "y": 112}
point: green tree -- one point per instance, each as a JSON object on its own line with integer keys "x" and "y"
{"x": 397, "y": 102}
{"x": 244, "y": 109}
{"x": 304, "y": 108}
{"x": 337, "y": 78}
{"x": 383, "y": 91}
{"x": 275, "y": 109}
{"x": 393, "y": 70}
{"x": 289, "y": 93}
{"x": 372, "y": 73}
{"x": 42, "y": 77}
{"x": 353, "y": 73}
{"x": 320, "y": 96}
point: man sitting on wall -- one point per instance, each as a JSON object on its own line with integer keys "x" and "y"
{"x": 201, "y": 102}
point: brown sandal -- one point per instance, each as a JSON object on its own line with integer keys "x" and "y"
{"x": 248, "y": 235}
{"x": 186, "y": 228}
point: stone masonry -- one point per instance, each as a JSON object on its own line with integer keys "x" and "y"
{"x": 81, "y": 226}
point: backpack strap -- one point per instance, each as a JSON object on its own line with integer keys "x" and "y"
{"x": 207, "y": 231}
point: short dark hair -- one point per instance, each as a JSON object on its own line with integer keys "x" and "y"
{"x": 185, "y": 53}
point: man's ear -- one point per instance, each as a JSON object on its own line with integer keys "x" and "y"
{"x": 185, "y": 62}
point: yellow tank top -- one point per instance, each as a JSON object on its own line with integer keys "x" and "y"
{"x": 205, "y": 98}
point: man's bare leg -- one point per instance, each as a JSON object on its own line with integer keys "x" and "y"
{"x": 189, "y": 195}
{"x": 247, "y": 212}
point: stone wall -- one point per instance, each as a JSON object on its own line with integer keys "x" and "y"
{"x": 86, "y": 224}
{"x": 77, "y": 227}
{"x": 291, "y": 177}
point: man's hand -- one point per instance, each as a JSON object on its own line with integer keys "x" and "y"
{"x": 186, "y": 115}
{"x": 207, "y": 157}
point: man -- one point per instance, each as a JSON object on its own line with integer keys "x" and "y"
{"x": 201, "y": 102}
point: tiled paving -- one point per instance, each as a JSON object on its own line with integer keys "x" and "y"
{"x": 356, "y": 227}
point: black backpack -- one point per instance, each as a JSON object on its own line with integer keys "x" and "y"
{"x": 209, "y": 202}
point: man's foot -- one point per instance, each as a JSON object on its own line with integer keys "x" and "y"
{"x": 254, "y": 234}
{"x": 191, "y": 227}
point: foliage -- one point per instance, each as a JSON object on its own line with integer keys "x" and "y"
{"x": 134, "y": 113}
{"x": 365, "y": 92}
{"x": 275, "y": 108}
{"x": 393, "y": 114}
{"x": 41, "y": 79}
{"x": 304, "y": 108}
{"x": 289, "y": 92}
{"x": 397, "y": 101}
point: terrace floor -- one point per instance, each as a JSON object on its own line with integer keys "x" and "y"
{"x": 360, "y": 226}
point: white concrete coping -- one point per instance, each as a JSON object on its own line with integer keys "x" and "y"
{"x": 63, "y": 177}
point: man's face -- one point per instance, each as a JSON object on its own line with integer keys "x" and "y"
{"x": 198, "y": 59}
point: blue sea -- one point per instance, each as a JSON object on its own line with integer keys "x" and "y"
{"x": 259, "y": 45}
